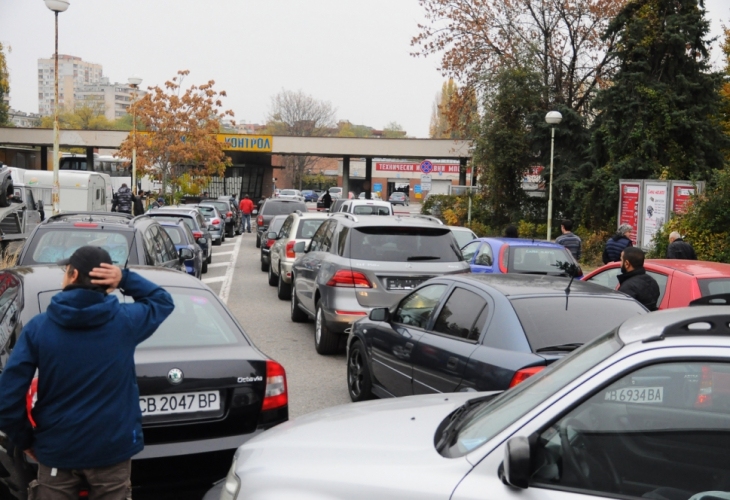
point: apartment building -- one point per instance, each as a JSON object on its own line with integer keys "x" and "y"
{"x": 73, "y": 73}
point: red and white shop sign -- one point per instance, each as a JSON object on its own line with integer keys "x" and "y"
{"x": 447, "y": 168}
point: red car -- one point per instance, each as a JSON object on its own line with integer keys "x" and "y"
{"x": 680, "y": 281}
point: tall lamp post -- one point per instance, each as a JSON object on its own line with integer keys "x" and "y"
{"x": 56, "y": 6}
{"x": 552, "y": 118}
{"x": 134, "y": 82}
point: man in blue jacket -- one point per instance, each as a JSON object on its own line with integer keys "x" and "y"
{"x": 87, "y": 415}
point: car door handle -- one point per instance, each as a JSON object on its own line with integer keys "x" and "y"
{"x": 408, "y": 347}
{"x": 452, "y": 363}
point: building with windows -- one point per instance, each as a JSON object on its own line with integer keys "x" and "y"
{"x": 23, "y": 119}
{"x": 73, "y": 73}
{"x": 113, "y": 99}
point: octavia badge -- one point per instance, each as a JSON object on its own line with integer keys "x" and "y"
{"x": 175, "y": 376}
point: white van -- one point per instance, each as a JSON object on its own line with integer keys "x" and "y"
{"x": 367, "y": 207}
{"x": 80, "y": 191}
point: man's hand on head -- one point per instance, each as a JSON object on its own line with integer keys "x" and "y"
{"x": 108, "y": 274}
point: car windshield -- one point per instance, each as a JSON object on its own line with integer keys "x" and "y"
{"x": 404, "y": 244}
{"x": 536, "y": 259}
{"x": 463, "y": 236}
{"x": 50, "y": 246}
{"x": 714, "y": 286}
{"x": 282, "y": 208}
{"x": 177, "y": 235}
{"x": 489, "y": 419}
{"x": 554, "y": 321}
{"x": 307, "y": 228}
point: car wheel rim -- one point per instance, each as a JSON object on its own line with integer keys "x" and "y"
{"x": 355, "y": 373}
{"x": 318, "y": 326}
{"x": 293, "y": 297}
{"x": 278, "y": 283}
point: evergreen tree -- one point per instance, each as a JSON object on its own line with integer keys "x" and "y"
{"x": 659, "y": 117}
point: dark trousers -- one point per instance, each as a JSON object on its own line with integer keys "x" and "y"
{"x": 104, "y": 483}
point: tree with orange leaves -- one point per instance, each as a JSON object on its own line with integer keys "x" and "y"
{"x": 181, "y": 132}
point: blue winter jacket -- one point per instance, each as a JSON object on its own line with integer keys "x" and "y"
{"x": 87, "y": 413}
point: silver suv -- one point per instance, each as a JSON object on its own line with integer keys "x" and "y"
{"x": 297, "y": 227}
{"x": 354, "y": 264}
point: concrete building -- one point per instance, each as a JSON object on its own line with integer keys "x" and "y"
{"x": 73, "y": 73}
{"x": 111, "y": 98}
{"x": 23, "y": 119}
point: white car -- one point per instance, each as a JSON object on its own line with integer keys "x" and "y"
{"x": 640, "y": 412}
{"x": 373, "y": 196}
{"x": 367, "y": 207}
{"x": 291, "y": 194}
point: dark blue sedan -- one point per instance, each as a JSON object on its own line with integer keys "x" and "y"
{"x": 515, "y": 255}
{"x": 310, "y": 195}
{"x": 482, "y": 332}
{"x": 183, "y": 237}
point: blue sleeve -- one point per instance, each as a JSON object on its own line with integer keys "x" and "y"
{"x": 14, "y": 384}
{"x": 152, "y": 304}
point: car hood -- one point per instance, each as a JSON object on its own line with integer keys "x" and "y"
{"x": 366, "y": 450}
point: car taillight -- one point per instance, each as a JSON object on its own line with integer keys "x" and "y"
{"x": 503, "y": 258}
{"x": 290, "y": 250}
{"x": 216, "y": 222}
{"x": 197, "y": 234}
{"x": 275, "y": 395}
{"x": 85, "y": 224}
{"x": 349, "y": 279}
{"x": 229, "y": 214}
{"x": 704, "y": 395}
{"x": 524, "y": 374}
{"x": 260, "y": 220}
{"x": 270, "y": 243}
{"x": 351, "y": 313}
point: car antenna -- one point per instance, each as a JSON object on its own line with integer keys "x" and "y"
{"x": 129, "y": 251}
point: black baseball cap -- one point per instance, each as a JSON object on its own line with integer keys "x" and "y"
{"x": 86, "y": 258}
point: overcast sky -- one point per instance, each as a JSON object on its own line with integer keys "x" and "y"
{"x": 353, "y": 53}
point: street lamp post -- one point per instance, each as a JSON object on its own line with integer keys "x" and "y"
{"x": 552, "y": 118}
{"x": 56, "y": 6}
{"x": 134, "y": 82}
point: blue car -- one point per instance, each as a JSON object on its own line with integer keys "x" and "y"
{"x": 310, "y": 195}
{"x": 182, "y": 237}
{"x": 515, "y": 255}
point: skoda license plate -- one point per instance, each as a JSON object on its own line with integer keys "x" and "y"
{"x": 403, "y": 283}
{"x": 180, "y": 403}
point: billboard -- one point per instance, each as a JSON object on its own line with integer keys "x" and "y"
{"x": 656, "y": 196}
{"x": 629, "y": 204}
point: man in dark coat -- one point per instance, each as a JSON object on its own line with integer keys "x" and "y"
{"x": 680, "y": 249}
{"x": 616, "y": 244}
{"x": 634, "y": 281}
{"x": 138, "y": 204}
{"x": 124, "y": 199}
{"x": 88, "y": 423}
{"x": 511, "y": 232}
{"x": 327, "y": 200}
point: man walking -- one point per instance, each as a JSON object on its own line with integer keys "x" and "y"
{"x": 634, "y": 281}
{"x": 246, "y": 207}
{"x": 327, "y": 200}
{"x": 680, "y": 249}
{"x": 124, "y": 199}
{"x": 569, "y": 240}
{"x": 87, "y": 418}
{"x": 616, "y": 244}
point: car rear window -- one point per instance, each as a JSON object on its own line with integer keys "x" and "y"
{"x": 714, "y": 286}
{"x": 307, "y": 228}
{"x": 551, "y": 321}
{"x": 276, "y": 224}
{"x": 288, "y": 192}
{"x": 207, "y": 211}
{"x": 370, "y": 210}
{"x": 222, "y": 206}
{"x": 537, "y": 259}
{"x": 463, "y": 236}
{"x": 283, "y": 208}
{"x": 50, "y": 246}
{"x": 176, "y": 234}
{"x": 189, "y": 220}
{"x": 404, "y": 244}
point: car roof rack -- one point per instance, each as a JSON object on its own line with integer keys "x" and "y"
{"x": 428, "y": 217}
{"x": 344, "y": 214}
{"x": 720, "y": 299}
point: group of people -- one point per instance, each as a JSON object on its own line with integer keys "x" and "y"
{"x": 125, "y": 201}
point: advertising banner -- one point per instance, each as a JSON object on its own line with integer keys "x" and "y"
{"x": 655, "y": 210}
{"x": 629, "y": 207}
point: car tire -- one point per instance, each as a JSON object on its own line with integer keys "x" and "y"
{"x": 325, "y": 342}
{"x": 258, "y": 241}
{"x": 297, "y": 315}
{"x": 359, "y": 381}
{"x": 238, "y": 230}
{"x": 208, "y": 260}
{"x": 230, "y": 234}
{"x": 204, "y": 269}
{"x": 218, "y": 243}
{"x": 283, "y": 289}
{"x": 264, "y": 265}
{"x": 273, "y": 279}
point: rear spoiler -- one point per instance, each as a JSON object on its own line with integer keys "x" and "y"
{"x": 720, "y": 299}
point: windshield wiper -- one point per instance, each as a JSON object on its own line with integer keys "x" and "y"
{"x": 453, "y": 427}
{"x": 423, "y": 257}
{"x": 560, "y": 347}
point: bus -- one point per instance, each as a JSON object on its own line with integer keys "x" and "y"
{"x": 119, "y": 169}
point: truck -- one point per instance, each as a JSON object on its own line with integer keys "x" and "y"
{"x": 80, "y": 191}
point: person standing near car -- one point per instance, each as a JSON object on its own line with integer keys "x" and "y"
{"x": 246, "y": 210}
{"x": 680, "y": 249}
{"x": 569, "y": 240}
{"x": 124, "y": 199}
{"x": 88, "y": 422}
{"x": 327, "y": 200}
{"x": 633, "y": 280}
{"x": 138, "y": 204}
{"x": 616, "y": 244}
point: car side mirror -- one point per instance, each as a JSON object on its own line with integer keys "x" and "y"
{"x": 202, "y": 240}
{"x": 515, "y": 470}
{"x": 271, "y": 235}
{"x": 185, "y": 254}
{"x": 255, "y": 212}
{"x": 300, "y": 247}
{"x": 380, "y": 314}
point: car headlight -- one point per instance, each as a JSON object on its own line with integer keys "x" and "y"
{"x": 232, "y": 484}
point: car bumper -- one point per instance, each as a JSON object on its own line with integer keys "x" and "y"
{"x": 286, "y": 270}
{"x": 341, "y": 308}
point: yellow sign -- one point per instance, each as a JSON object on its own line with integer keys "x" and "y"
{"x": 239, "y": 142}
